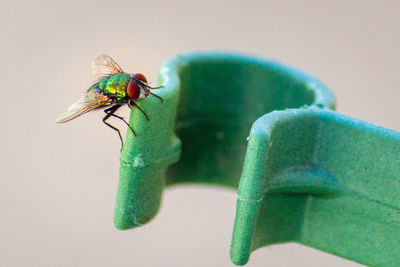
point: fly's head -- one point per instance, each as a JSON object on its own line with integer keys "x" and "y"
{"x": 137, "y": 87}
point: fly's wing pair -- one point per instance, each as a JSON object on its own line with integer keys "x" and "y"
{"x": 90, "y": 100}
{"x": 103, "y": 66}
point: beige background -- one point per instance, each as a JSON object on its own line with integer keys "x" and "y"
{"x": 58, "y": 182}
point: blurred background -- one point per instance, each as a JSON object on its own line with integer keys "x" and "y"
{"x": 58, "y": 182}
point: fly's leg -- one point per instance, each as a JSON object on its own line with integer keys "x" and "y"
{"x": 107, "y": 111}
{"x": 131, "y": 103}
{"x": 159, "y": 97}
{"x": 110, "y": 112}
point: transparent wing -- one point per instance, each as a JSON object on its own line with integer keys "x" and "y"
{"x": 90, "y": 100}
{"x": 105, "y": 66}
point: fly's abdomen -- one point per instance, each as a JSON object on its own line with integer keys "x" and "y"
{"x": 115, "y": 85}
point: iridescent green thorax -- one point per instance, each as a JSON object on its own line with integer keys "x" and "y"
{"x": 115, "y": 85}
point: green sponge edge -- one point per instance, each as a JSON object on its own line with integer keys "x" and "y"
{"x": 310, "y": 175}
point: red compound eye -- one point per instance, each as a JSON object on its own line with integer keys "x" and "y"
{"x": 133, "y": 90}
{"x": 140, "y": 77}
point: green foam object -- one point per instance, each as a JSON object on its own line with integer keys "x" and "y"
{"x": 303, "y": 172}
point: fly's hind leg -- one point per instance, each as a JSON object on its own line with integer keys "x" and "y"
{"x": 107, "y": 111}
{"x": 110, "y": 112}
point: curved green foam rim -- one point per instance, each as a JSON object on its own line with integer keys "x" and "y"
{"x": 303, "y": 172}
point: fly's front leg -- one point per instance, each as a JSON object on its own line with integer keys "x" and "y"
{"x": 159, "y": 97}
{"x": 131, "y": 103}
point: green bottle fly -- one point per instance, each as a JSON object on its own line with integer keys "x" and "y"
{"x": 112, "y": 89}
